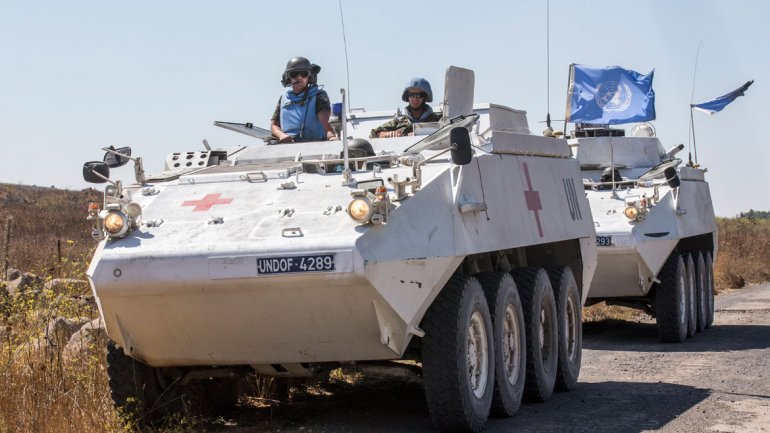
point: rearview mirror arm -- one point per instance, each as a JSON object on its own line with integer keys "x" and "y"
{"x": 138, "y": 167}
{"x": 104, "y": 178}
{"x": 417, "y": 167}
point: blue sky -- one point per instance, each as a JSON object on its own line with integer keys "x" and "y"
{"x": 154, "y": 75}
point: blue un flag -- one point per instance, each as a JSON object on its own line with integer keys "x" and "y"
{"x": 609, "y": 96}
{"x": 717, "y": 104}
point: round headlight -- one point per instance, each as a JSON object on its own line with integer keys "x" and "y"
{"x": 133, "y": 210}
{"x": 360, "y": 209}
{"x": 116, "y": 224}
{"x": 631, "y": 212}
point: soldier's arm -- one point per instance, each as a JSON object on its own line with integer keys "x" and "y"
{"x": 323, "y": 117}
{"x": 324, "y": 113}
{"x": 387, "y": 129}
{"x": 275, "y": 126}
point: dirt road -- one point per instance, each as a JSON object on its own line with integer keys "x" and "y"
{"x": 718, "y": 381}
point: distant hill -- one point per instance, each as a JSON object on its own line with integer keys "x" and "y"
{"x": 40, "y": 225}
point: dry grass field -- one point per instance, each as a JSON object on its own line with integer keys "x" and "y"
{"x": 744, "y": 252}
{"x": 44, "y": 231}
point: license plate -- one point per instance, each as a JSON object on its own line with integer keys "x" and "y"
{"x": 604, "y": 241}
{"x": 295, "y": 264}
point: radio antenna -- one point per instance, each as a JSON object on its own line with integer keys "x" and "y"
{"x": 548, "y": 128}
{"x": 345, "y": 43}
{"x": 691, "y": 132}
{"x": 548, "y": 56}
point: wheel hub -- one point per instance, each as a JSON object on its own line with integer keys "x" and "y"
{"x": 477, "y": 355}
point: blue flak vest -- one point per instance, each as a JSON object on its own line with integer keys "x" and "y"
{"x": 298, "y": 116}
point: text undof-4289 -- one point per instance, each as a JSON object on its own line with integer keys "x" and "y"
{"x": 295, "y": 264}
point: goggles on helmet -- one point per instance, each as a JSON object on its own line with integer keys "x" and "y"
{"x": 294, "y": 74}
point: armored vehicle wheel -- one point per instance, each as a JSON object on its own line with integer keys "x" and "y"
{"x": 457, "y": 356}
{"x": 570, "y": 315}
{"x": 692, "y": 290}
{"x": 510, "y": 341}
{"x": 542, "y": 332}
{"x": 137, "y": 388}
{"x": 671, "y": 300}
{"x": 220, "y": 395}
{"x": 147, "y": 393}
{"x": 280, "y": 388}
{"x": 700, "y": 285}
{"x": 709, "y": 289}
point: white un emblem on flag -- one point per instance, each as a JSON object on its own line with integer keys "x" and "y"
{"x": 613, "y": 96}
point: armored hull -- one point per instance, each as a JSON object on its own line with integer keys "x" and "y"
{"x": 469, "y": 249}
{"x": 644, "y": 216}
{"x": 217, "y": 276}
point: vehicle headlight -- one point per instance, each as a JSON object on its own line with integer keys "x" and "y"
{"x": 116, "y": 224}
{"x": 360, "y": 209}
{"x": 133, "y": 210}
{"x": 631, "y": 212}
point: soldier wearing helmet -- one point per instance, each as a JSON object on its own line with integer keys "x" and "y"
{"x": 303, "y": 112}
{"x": 417, "y": 94}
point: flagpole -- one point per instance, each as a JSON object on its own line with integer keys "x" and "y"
{"x": 692, "y": 128}
{"x": 570, "y": 79}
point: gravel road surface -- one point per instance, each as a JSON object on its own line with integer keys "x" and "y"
{"x": 718, "y": 381}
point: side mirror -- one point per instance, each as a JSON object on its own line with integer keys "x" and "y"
{"x": 96, "y": 172}
{"x": 672, "y": 178}
{"x": 461, "y": 146}
{"x": 114, "y": 161}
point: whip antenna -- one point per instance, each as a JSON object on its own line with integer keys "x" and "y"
{"x": 691, "y": 132}
{"x": 548, "y": 59}
{"x": 345, "y": 43}
{"x": 548, "y": 130}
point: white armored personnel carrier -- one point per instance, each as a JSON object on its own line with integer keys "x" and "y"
{"x": 470, "y": 250}
{"x": 655, "y": 228}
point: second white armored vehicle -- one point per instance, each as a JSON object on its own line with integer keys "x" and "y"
{"x": 470, "y": 250}
{"x": 655, "y": 226}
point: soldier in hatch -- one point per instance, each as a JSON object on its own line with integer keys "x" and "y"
{"x": 417, "y": 93}
{"x": 303, "y": 112}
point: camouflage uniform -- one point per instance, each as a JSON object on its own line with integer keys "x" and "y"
{"x": 406, "y": 122}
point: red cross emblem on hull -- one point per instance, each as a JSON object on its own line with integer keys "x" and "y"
{"x": 533, "y": 200}
{"x": 206, "y": 202}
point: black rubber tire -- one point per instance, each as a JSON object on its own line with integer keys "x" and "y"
{"x": 692, "y": 290}
{"x": 147, "y": 394}
{"x": 136, "y": 389}
{"x": 280, "y": 389}
{"x": 701, "y": 293}
{"x": 671, "y": 300}
{"x": 510, "y": 341}
{"x": 541, "y": 325}
{"x": 452, "y": 400}
{"x": 220, "y": 395}
{"x": 570, "y": 314}
{"x": 709, "y": 289}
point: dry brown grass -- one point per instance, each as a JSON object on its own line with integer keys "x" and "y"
{"x": 602, "y": 311}
{"x": 39, "y": 390}
{"x": 42, "y": 392}
{"x": 744, "y": 252}
{"x": 48, "y": 228}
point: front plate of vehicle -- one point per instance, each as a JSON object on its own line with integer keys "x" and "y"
{"x": 603, "y": 241}
{"x": 295, "y": 264}
{"x": 249, "y": 266}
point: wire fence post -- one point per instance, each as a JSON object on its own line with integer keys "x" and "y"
{"x": 58, "y": 257}
{"x": 7, "y": 246}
